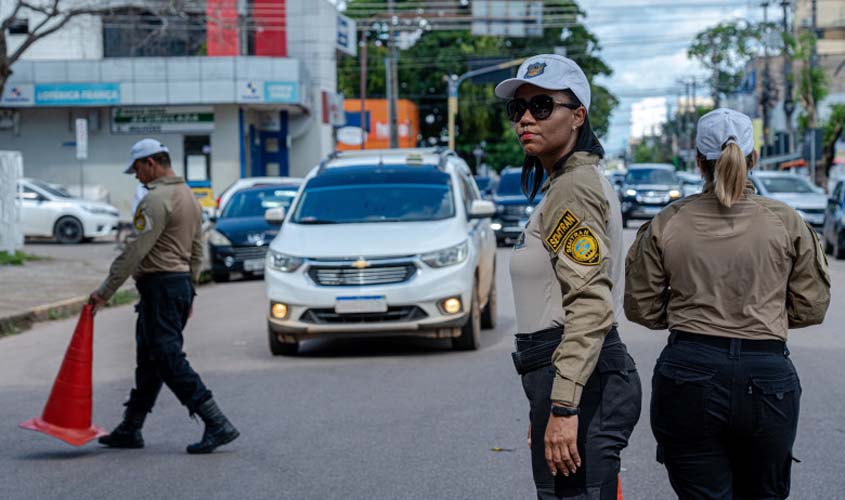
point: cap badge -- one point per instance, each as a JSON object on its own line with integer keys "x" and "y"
{"x": 535, "y": 69}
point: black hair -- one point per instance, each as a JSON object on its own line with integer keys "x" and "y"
{"x": 162, "y": 158}
{"x": 532, "y": 169}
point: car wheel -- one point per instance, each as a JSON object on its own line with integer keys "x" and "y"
{"x": 624, "y": 222}
{"x": 838, "y": 251}
{"x": 470, "y": 338}
{"x": 488, "y": 314}
{"x": 68, "y": 230}
{"x": 220, "y": 277}
{"x": 281, "y": 348}
{"x": 828, "y": 247}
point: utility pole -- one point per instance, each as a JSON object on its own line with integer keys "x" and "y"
{"x": 689, "y": 131}
{"x": 788, "y": 100}
{"x": 812, "y": 124}
{"x": 393, "y": 86}
{"x": 363, "y": 92}
{"x": 764, "y": 96}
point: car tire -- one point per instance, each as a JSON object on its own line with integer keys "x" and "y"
{"x": 488, "y": 314}
{"x": 838, "y": 251}
{"x": 828, "y": 247}
{"x": 470, "y": 338}
{"x": 624, "y": 222}
{"x": 220, "y": 277}
{"x": 281, "y": 348}
{"x": 69, "y": 230}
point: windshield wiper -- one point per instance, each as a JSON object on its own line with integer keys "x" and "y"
{"x": 316, "y": 221}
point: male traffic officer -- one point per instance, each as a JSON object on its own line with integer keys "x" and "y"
{"x": 164, "y": 257}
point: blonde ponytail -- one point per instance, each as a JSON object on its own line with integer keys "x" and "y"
{"x": 729, "y": 175}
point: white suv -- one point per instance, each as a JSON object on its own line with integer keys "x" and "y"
{"x": 392, "y": 242}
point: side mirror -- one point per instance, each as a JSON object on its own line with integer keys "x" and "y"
{"x": 275, "y": 216}
{"x": 481, "y": 209}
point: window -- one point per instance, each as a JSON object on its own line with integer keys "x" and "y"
{"x": 19, "y": 26}
{"x": 837, "y": 193}
{"x": 135, "y": 32}
{"x": 651, "y": 176}
{"x": 786, "y": 184}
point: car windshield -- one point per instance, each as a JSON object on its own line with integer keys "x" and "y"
{"x": 482, "y": 183}
{"x": 786, "y": 185}
{"x": 651, "y": 176}
{"x": 351, "y": 195}
{"x": 510, "y": 184}
{"x": 254, "y": 202}
{"x": 54, "y": 190}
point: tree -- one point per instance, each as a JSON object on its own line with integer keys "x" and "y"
{"x": 834, "y": 129}
{"x": 812, "y": 81}
{"x": 725, "y": 50}
{"x": 424, "y": 67}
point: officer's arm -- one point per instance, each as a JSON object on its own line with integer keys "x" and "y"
{"x": 196, "y": 255}
{"x": 149, "y": 221}
{"x": 646, "y": 285}
{"x": 808, "y": 290}
{"x": 575, "y": 235}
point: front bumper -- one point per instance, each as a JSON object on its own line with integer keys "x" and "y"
{"x": 634, "y": 210}
{"x": 814, "y": 219}
{"x": 239, "y": 259}
{"x": 508, "y": 227}
{"x": 425, "y": 290}
{"x": 96, "y": 226}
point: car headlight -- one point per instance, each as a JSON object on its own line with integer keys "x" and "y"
{"x": 631, "y": 192}
{"x": 97, "y": 210}
{"x": 500, "y": 209}
{"x": 448, "y": 256}
{"x": 529, "y": 210}
{"x": 217, "y": 239}
{"x": 283, "y": 262}
{"x": 674, "y": 194}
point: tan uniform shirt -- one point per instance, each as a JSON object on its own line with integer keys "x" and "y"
{"x": 750, "y": 271}
{"x": 168, "y": 226}
{"x": 568, "y": 268}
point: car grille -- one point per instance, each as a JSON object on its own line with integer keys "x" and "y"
{"x": 515, "y": 209}
{"x": 330, "y": 317}
{"x": 385, "y": 274}
{"x": 812, "y": 211}
{"x": 249, "y": 253}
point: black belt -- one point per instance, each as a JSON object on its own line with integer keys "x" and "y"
{"x": 534, "y": 350}
{"x": 773, "y": 346}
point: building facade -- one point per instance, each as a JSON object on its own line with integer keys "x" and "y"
{"x": 235, "y": 89}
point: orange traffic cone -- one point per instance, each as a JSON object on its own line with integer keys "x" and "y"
{"x": 67, "y": 415}
{"x": 619, "y": 487}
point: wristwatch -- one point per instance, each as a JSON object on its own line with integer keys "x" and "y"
{"x": 564, "y": 411}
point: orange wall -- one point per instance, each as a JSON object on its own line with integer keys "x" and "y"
{"x": 379, "y": 135}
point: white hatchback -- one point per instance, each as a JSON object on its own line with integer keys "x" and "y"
{"x": 393, "y": 242}
{"x": 47, "y": 210}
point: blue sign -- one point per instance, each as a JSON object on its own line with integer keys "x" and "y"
{"x": 76, "y": 94}
{"x": 286, "y": 92}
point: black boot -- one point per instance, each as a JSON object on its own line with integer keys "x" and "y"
{"x": 128, "y": 433}
{"x": 218, "y": 429}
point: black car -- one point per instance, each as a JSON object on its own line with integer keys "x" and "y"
{"x": 647, "y": 189}
{"x": 833, "y": 230}
{"x": 486, "y": 185}
{"x": 512, "y": 207}
{"x": 240, "y": 237}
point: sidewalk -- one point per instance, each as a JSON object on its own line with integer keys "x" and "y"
{"x": 54, "y": 287}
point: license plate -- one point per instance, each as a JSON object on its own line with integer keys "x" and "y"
{"x": 363, "y": 304}
{"x": 647, "y": 199}
{"x": 651, "y": 210}
{"x": 253, "y": 265}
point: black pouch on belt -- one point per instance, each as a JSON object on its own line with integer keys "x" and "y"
{"x": 534, "y": 350}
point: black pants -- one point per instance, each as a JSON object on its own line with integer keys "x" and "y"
{"x": 163, "y": 310}
{"x": 609, "y": 410}
{"x": 724, "y": 413}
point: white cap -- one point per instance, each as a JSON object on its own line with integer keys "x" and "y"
{"x": 550, "y": 72}
{"x": 143, "y": 149}
{"x": 721, "y": 127}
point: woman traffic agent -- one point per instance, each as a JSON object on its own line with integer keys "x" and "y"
{"x": 727, "y": 272}
{"x": 567, "y": 274}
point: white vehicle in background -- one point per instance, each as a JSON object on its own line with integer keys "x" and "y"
{"x": 393, "y": 242}
{"x": 51, "y": 212}
{"x": 248, "y": 182}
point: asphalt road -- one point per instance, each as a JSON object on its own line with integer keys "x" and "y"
{"x": 371, "y": 419}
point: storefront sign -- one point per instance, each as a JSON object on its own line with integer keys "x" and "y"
{"x": 347, "y": 35}
{"x": 162, "y": 120}
{"x": 284, "y": 92}
{"x": 250, "y": 91}
{"x": 18, "y": 95}
{"x": 76, "y": 94}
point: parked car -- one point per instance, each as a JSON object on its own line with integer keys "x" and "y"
{"x": 392, "y": 242}
{"x": 239, "y": 239}
{"x": 833, "y": 229}
{"x": 691, "y": 183}
{"x": 616, "y": 178}
{"x": 51, "y": 212}
{"x": 648, "y": 188}
{"x": 248, "y": 182}
{"x": 794, "y": 190}
{"x": 512, "y": 207}
{"x": 486, "y": 185}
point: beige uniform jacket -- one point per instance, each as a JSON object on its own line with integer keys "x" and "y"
{"x": 168, "y": 227}
{"x": 580, "y": 223}
{"x": 750, "y": 271}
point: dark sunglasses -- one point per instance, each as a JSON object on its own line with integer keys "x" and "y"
{"x": 540, "y": 107}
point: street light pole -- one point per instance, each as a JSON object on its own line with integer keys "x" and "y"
{"x": 364, "y": 89}
{"x": 764, "y": 97}
{"x": 788, "y": 101}
{"x": 813, "y": 62}
{"x": 454, "y": 83}
{"x": 392, "y": 103}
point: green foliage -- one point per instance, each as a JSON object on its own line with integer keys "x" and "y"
{"x": 812, "y": 83}
{"x": 16, "y": 259}
{"x": 725, "y": 50}
{"x": 424, "y": 68}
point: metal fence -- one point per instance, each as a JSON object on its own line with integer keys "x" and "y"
{"x": 11, "y": 233}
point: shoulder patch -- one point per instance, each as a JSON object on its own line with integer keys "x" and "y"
{"x": 141, "y": 222}
{"x": 582, "y": 247}
{"x": 564, "y": 226}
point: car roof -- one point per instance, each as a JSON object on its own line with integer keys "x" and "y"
{"x": 768, "y": 173}
{"x": 411, "y": 157}
{"x": 651, "y": 166}
{"x": 265, "y": 187}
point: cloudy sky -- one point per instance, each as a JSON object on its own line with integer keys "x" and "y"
{"x": 645, "y": 43}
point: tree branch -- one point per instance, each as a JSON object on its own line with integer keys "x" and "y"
{"x": 9, "y": 20}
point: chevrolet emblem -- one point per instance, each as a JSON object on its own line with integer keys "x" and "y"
{"x": 360, "y": 264}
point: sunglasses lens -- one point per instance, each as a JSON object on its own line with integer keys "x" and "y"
{"x": 516, "y": 108}
{"x": 541, "y": 106}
